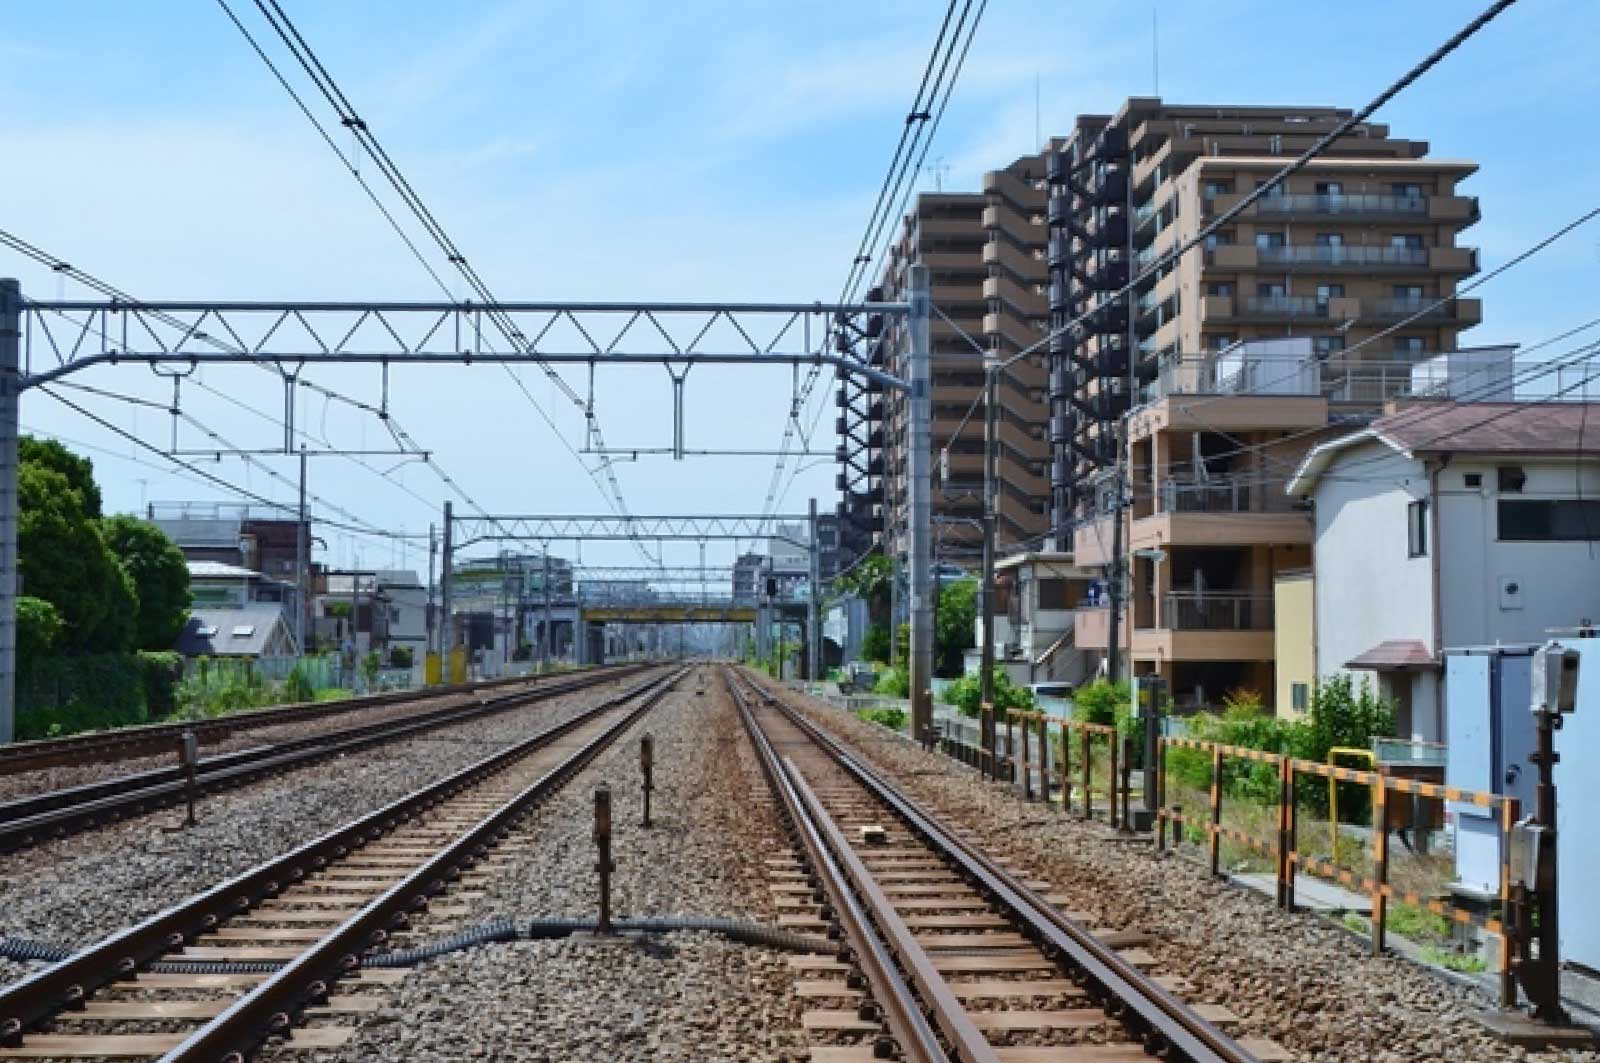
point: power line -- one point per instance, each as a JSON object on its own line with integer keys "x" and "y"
{"x": 314, "y": 69}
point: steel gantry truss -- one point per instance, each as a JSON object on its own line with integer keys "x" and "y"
{"x": 43, "y": 342}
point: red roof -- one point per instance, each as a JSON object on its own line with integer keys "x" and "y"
{"x": 1493, "y": 427}
{"x": 1394, "y": 655}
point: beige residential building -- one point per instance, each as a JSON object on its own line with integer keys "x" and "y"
{"x": 984, "y": 256}
{"x": 1233, "y": 362}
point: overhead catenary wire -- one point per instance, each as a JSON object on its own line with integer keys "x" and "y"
{"x": 300, "y": 49}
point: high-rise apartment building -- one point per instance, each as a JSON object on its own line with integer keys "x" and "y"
{"x": 986, "y": 273}
{"x": 1233, "y": 361}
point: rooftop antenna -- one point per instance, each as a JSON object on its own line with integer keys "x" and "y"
{"x": 1155, "y": 50}
{"x": 939, "y": 168}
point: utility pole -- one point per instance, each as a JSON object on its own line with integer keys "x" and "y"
{"x": 544, "y": 642}
{"x": 431, "y": 617}
{"x": 10, "y": 447}
{"x": 921, "y": 516}
{"x": 1114, "y": 583}
{"x": 986, "y": 728}
{"x": 302, "y": 571}
{"x": 447, "y": 622}
{"x": 814, "y": 607}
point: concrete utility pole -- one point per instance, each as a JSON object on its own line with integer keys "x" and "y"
{"x": 302, "y": 571}
{"x": 447, "y": 621}
{"x": 10, "y": 446}
{"x": 431, "y": 617}
{"x": 986, "y": 666}
{"x": 544, "y": 642}
{"x": 1114, "y": 582}
{"x": 921, "y": 516}
{"x": 814, "y": 607}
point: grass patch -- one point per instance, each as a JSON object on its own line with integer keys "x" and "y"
{"x": 886, "y": 716}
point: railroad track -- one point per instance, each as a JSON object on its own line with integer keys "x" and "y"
{"x": 38, "y": 818}
{"x": 950, "y": 955}
{"x": 178, "y": 987}
{"x": 145, "y": 739}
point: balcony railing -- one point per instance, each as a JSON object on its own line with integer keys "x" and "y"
{"x": 1217, "y": 611}
{"x": 1358, "y": 203}
{"x": 1342, "y": 255}
{"x": 1399, "y": 309}
{"x": 1233, "y": 494}
{"x": 1285, "y": 306}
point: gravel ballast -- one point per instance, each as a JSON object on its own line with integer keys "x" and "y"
{"x": 1291, "y": 977}
{"x": 681, "y": 996}
{"x": 79, "y": 889}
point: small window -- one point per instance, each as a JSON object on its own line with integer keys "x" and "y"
{"x": 1299, "y": 696}
{"x": 1219, "y": 288}
{"x": 1417, "y": 529}
{"x": 1409, "y": 241}
{"x": 1405, "y": 190}
{"x": 1410, "y": 345}
{"x": 206, "y": 631}
{"x": 1473, "y": 479}
{"x": 1053, "y": 594}
{"x": 1322, "y": 346}
{"x": 1549, "y": 520}
{"x": 1270, "y": 291}
{"x": 1330, "y": 188}
{"x": 244, "y": 631}
{"x": 1329, "y": 291}
{"x": 1330, "y": 239}
{"x": 1269, "y": 240}
{"x": 1510, "y": 478}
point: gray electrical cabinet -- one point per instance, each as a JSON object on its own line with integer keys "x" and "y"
{"x": 1490, "y": 732}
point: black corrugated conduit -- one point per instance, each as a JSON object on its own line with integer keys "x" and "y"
{"x": 495, "y": 931}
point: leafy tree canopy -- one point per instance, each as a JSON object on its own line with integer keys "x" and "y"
{"x": 160, "y": 578}
{"x": 78, "y": 471}
{"x": 64, "y": 560}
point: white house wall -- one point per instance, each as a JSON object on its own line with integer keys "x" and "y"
{"x": 1559, "y": 581}
{"x": 1367, "y": 589}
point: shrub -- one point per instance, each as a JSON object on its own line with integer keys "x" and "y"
{"x": 401, "y": 656}
{"x": 966, "y": 694}
{"x": 297, "y": 687}
{"x": 875, "y": 643}
{"x": 160, "y": 673}
{"x": 894, "y": 683}
{"x": 886, "y": 715}
{"x": 90, "y": 692}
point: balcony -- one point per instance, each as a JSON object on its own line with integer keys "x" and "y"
{"x": 1283, "y": 307}
{"x": 1233, "y": 494}
{"x": 1217, "y": 611}
{"x": 1355, "y": 205}
{"x": 1341, "y": 256}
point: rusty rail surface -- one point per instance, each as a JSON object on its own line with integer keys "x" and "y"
{"x": 1166, "y": 1026}
{"x": 271, "y": 1006}
{"x": 39, "y": 818}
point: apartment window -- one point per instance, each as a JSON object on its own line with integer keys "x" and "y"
{"x": 1217, "y": 188}
{"x": 1265, "y": 241}
{"x": 1053, "y": 594}
{"x": 1330, "y": 188}
{"x": 1219, "y": 288}
{"x": 1409, "y": 241}
{"x": 1406, "y": 189}
{"x": 1323, "y": 346}
{"x": 1299, "y": 696}
{"x": 1270, "y": 291}
{"x": 1217, "y": 341}
{"x": 1329, "y": 291}
{"x": 1549, "y": 519}
{"x": 1408, "y": 293}
{"x": 1410, "y": 345}
{"x": 1417, "y": 529}
{"x": 1220, "y": 238}
{"x": 1277, "y": 189}
{"x": 1330, "y": 239}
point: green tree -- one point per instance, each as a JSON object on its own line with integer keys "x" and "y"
{"x": 954, "y": 616}
{"x": 38, "y": 628}
{"x": 160, "y": 579}
{"x": 64, "y": 560}
{"x": 875, "y": 643}
{"x": 79, "y": 471}
{"x": 870, "y": 580}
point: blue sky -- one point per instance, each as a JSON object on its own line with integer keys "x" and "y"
{"x": 696, "y": 150}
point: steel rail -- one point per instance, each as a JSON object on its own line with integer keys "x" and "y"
{"x": 270, "y": 1008}
{"x": 147, "y": 738}
{"x": 1167, "y": 1026}
{"x": 39, "y": 818}
{"x": 35, "y": 999}
{"x": 915, "y": 1038}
